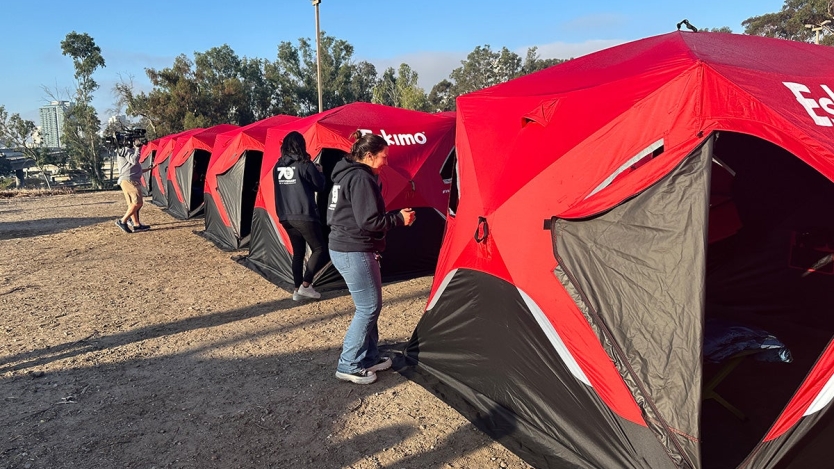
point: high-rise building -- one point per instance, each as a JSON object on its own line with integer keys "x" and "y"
{"x": 52, "y": 122}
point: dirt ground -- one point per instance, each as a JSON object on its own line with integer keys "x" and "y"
{"x": 156, "y": 350}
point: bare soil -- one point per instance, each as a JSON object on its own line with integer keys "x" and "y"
{"x": 156, "y": 350}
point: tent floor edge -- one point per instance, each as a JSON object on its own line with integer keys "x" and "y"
{"x": 218, "y": 243}
{"x": 543, "y": 453}
{"x": 281, "y": 281}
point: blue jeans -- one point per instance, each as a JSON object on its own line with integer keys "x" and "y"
{"x": 361, "y": 273}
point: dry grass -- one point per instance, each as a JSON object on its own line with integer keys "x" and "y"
{"x": 12, "y": 193}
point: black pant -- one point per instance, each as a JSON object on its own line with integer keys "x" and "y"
{"x": 301, "y": 234}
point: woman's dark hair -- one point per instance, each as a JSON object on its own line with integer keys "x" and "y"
{"x": 295, "y": 145}
{"x": 367, "y": 143}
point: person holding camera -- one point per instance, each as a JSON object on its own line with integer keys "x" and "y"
{"x": 130, "y": 180}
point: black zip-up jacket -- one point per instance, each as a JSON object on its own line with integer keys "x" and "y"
{"x": 356, "y": 210}
{"x": 296, "y": 181}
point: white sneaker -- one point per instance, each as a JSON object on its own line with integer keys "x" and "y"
{"x": 382, "y": 364}
{"x": 358, "y": 377}
{"x": 305, "y": 293}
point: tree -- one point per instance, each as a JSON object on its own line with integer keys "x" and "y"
{"x": 81, "y": 123}
{"x": 222, "y": 95}
{"x": 363, "y": 82}
{"x": 135, "y": 105}
{"x": 258, "y": 90}
{"x": 482, "y": 68}
{"x": 533, "y": 63}
{"x": 217, "y": 87}
{"x": 441, "y": 97}
{"x": 400, "y": 89}
{"x": 343, "y": 81}
{"x": 19, "y": 134}
{"x": 173, "y": 99}
{"x": 789, "y": 23}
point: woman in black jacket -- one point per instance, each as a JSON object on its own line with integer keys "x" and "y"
{"x": 297, "y": 180}
{"x": 358, "y": 223}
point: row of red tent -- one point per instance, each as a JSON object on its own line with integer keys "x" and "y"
{"x": 225, "y": 173}
{"x": 595, "y": 221}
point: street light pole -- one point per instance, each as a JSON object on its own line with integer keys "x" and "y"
{"x": 817, "y": 28}
{"x": 318, "y": 52}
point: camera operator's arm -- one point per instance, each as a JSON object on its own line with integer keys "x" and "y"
{"x": 131, "y": 154}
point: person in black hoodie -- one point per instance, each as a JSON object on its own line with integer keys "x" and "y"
{"x": 358, "y": 223}
{"x": 297, "y": 180}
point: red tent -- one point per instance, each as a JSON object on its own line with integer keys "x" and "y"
{"x": 146, "y": 155}
{"x": 165, "y": 148}
{"x": 232, "y": 182}
{"x": 187, "y": 170}
{"x": 610, "y": 216}
{"x": 419, "y": 144}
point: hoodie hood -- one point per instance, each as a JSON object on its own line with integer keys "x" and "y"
{"x": 344, "y": 167}
{"x": 287, "y": 160}
{"x": 356, "y": 210}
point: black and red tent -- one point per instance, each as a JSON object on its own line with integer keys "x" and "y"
{"x": 419, "y": 145}
{"x": 165, "y": 149}
{"x": 146, "y": 156}
{"x": 606, "y": 213}
{"x": 187, "y": 169}
{"x": 232, "y": 182}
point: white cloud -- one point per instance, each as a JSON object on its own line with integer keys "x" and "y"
{"x": 432, "y": 67}
{"x": 596, "y": 22}
{"x": 565, "y": 50}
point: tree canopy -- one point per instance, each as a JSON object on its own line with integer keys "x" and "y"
{"x": 81, "y": 122}
{"x": 790, "y": 22}
{"x": 218, "y": 87}
{"x": 482, "y": 68}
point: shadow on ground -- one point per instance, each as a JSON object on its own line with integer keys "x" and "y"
{"x": 32, "y": 228}
{"x": 188, "y": 408}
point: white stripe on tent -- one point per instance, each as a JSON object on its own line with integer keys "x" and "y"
{"x": 554, "y": 338}
{"x": 634, "y": 159}
{"x": 823, "y": 398}
{"x": 541, "y": 319}
{"x": 441, "y": 288}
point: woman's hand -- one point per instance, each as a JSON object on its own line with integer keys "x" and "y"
{"x": 408, "y": 216}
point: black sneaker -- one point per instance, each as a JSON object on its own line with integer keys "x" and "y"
{"x": 139, "y": 227}
{"x": 358, "y": 377}
{"x": 123, "y": 226}
{"x": 382, "y": 364}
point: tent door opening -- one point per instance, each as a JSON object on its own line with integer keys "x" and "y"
{"x": 249, "y": 189}
{"x": 147, "y": 177}
{"x": 770, "y": 233}
{"x": 198, "y": 178}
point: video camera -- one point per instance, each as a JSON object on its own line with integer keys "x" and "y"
{"x": 126, "y": 137}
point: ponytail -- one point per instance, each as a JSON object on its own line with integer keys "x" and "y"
{"x": 364, "y": 144}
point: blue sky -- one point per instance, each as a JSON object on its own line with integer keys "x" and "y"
{"x": 432, "y": 36}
